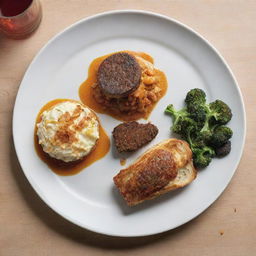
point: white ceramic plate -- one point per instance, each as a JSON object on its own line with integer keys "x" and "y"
{"x": 89, "y": 198}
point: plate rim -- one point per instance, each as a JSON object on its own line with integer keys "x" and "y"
{"x": 109, "y": 13}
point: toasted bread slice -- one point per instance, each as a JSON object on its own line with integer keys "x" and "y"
{"x": 165, "y": 167}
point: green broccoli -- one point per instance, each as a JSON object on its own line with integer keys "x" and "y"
{"x": 198, "y": 109}
{"x": 204, "y": 136}
{"x": 219, "y": 112}
{"x": 220, "y": 136}
{"x": 188, "y": 128}
{"x": 198, "y": 113}
{"x": 202, "y": 156}
{"x": 202, "y": 126}
{"x": 178, "y": 116}
{"x": 195, "y": 96}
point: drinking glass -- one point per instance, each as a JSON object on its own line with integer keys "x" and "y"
{"x": 19, "y": 18}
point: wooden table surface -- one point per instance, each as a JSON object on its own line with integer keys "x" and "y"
{"x": 228, "y": 227}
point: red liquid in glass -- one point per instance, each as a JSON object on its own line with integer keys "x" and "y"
{"x": 19, "y": 18}
{"x": 9, "y": 8}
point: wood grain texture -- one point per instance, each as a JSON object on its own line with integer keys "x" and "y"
{"x": 29, "y": 227}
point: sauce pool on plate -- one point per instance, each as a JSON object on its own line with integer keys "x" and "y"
{"x": 62, "y": 168}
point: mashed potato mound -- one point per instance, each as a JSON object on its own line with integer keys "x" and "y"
{"x": 68, "y": 131}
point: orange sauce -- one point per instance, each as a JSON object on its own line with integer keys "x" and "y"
{"x": 123, "y": 161}
{"x": 86, "y": 90}
{"x": 65, "y": 169}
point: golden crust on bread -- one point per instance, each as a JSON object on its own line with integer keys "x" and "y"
{"x": 163, "y": 168}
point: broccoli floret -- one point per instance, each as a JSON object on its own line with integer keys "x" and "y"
{"x": 199, "y": 114}
{"x": 190, "y": 133}
{"x": 224, "y": 149}
{"x": 198, "y": 143}
{"x": 179, "y": 116}
{"x": 195, "y": 96}
{"x": 188, "y": 128}
{"x": 202, "y": 126}
{"x": 216, "y": 113}
{"x": 202, "y": 156}
{"x": 220, "y": 112}
{"x": 204, "y": 136}
{"x": 220, "y": 136}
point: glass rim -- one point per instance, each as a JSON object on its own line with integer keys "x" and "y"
{"x": 20, "y": 14}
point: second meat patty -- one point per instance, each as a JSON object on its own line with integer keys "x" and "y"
{"x": 131, "y": 136}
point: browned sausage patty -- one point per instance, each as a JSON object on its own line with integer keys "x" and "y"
{"x": 131, "y": 135}
{"x": 119, "y": 75}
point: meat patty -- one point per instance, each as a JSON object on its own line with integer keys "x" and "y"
{"x": 119, "y": 75}
{"x": 131, "y": 136}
